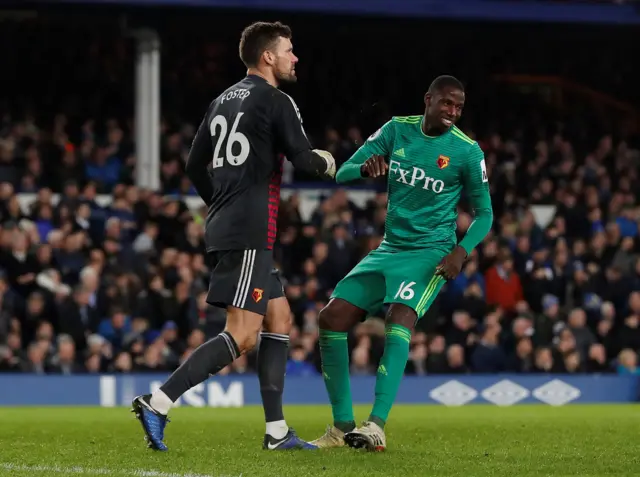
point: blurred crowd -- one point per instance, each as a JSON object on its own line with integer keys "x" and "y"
{"x": 88, "y": 286}
{"x": 121, "y": 287}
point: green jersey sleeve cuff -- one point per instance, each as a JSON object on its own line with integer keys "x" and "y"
{"x": 351, "y": 170}
{"x": 478, "y": 230}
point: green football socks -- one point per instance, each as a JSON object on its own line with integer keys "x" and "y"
{"x": 390, "y": 372}
{"x": 334, "y": 351}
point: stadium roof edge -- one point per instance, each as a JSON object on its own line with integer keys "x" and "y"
{"x": 473, "y": 10}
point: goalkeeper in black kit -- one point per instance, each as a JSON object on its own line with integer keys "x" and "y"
{"x": 235, "y": 164}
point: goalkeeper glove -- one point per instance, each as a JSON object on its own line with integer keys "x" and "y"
{"x": 331, "y": 162}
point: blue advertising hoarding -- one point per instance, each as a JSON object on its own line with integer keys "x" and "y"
{"x": 242, "y": 390}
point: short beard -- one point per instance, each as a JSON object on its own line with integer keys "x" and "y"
{"x": 288, "y": 78}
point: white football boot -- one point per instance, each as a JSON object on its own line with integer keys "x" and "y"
{"x": 370, "y": 436}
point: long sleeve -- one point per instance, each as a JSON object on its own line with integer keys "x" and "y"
{"x": 352, "y": 169}
{"x": 476, "y": 185}
{"x": 292, "y": 137}
{"x": 200, "y": 156}
{"x": 379, "y": 143}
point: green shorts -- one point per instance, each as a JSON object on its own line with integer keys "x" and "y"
{"x": 385, "y": 277}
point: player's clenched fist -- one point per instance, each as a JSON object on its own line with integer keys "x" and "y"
{"x": 375, "y": 166}
{"x": 331, "y": 162}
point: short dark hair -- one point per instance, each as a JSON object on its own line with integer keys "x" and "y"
{"x": 257, "y": 38}
{"x": 445, "y": 81}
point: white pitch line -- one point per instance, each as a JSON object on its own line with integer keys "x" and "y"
{"x": 56, "y": 469}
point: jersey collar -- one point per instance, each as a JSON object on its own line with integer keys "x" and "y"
{"x": 433, "y": 137}
{"x": 257, "y": 78}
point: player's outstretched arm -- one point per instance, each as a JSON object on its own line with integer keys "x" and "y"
{"x": 294, "y": 141}
{"x": 476, "y": 185}
{"x": 368, "y": 160}
{"x": 317, "y": 162}
{"x": 359, "y": 166}
{"x": 351, "y": 170}
{"x": 198, "y": 161}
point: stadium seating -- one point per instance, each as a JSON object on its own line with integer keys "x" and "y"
{"x": 89, "y": 287}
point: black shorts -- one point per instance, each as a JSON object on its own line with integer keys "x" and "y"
{"x": 243, "y": 279}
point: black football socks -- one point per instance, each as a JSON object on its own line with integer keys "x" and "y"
{"x": 207, "y": 360}
{"x": 272, "y": 365}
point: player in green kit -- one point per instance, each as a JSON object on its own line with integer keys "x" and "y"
{"x": 428, "y": 162}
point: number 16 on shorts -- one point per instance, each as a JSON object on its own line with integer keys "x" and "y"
{"x": 419, "y": 297}
{"x": 405, "y": 292}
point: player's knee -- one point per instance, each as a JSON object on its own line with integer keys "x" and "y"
{"x": 279, "y": 322}
{"x": 327, "y": 318}
{"x": 246, "y": 339}
{"x": 282, "y": 325}
{"x": 250, "y": 341}
{"x": 402, "y": 315}
{"x": 338, "y": 316}
{"x": 244, "y": 327}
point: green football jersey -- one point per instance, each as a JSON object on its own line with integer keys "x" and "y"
{"x": 425, "y": 180}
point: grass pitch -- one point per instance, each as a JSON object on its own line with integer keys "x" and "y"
{"x": 422, "y": 441}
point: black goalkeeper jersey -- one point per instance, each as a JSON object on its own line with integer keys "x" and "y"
{"x": 235, "y": 162}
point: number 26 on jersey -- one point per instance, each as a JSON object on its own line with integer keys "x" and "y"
{"x": 237, "y": 145}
